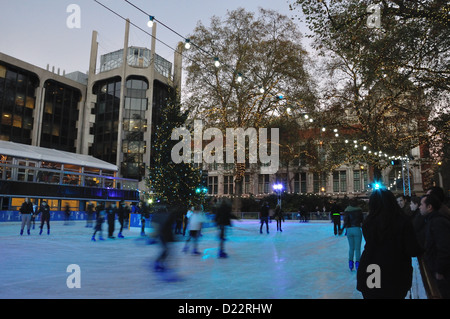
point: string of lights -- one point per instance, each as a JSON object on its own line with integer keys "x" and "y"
{"x": 240, "y": 77}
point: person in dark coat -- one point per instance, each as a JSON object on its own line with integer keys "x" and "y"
{"x": 437, "y": 242}
{"x": 44, "y": 210}
{"x": 25, "y": 212}
{"x": 163, "y": 219}
{"x": 223, "y": 218}
{"x": 336, "y": 216}
{"x": 264, "y": 216}
{"x": 390, "y": 243}
{"x": 121, "y": 212}
{"x": 417, "y": 220}
{"x": 67, "y": 214}
{"x": 279, "y": 216}
{"x": 111, "y": 211}
{"x": 90, "y": 214}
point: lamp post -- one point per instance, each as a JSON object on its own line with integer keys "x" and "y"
{"x": 278, "y": 188}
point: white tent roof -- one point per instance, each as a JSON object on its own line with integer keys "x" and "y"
{"x": 52, "y": 155}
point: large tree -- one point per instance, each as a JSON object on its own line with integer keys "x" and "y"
{"x": 382, "y": 83}
{"x": 263, "y": 71}
{"x": 168, "y": 180}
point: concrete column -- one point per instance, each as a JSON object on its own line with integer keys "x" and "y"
{"x": 148, "y": 133}
{"x": 85, "y": 112}
{"x": 119, "y": 156}
{"x": 177, "y": 66}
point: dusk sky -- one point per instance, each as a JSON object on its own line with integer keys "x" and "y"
{"x": 36, "y": 31}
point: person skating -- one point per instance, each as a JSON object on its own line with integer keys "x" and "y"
{"x": 352, "y": 222}
{"x": 89, "y": 214}
{"x": 279, "y": 216}
{"x": 99, "y": 222}
{"x": 164, "y": 220}
{"x": 121, "y": 212}
{"x": 44, "y": 210}
{"x": 264, "y": 216}
{"x": 25, "y": 212}
{"x": 223, "y": 219}
{"x": 336, "y": 215}
{"x": 67, "y": 214}
{"x": 111, "y": 217}
{"x": 195, "y": 225}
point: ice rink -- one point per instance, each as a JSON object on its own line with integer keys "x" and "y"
{"x": 305, "y": 261}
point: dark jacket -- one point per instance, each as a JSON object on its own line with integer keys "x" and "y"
{"x": 264, "y": 211}
{"x": 437, "y": 243}
{"x": 223, "y": 214}
{"x": 392, "y": 253}
{"x": 45, "y": 210}
{"x": 26, "y": 208}
{"x": 279, "y": 215}
{"x": 353, "y": 217}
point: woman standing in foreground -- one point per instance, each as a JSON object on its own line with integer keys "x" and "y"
{"x": 385, "y": 269}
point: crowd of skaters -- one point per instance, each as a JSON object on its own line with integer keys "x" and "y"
{"x": 395, "y": 230}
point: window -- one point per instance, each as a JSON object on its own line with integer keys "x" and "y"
{"x": 212, "y": 185}
{"x": 228, "y": 184}
{"x": 360, "y": 180}
{"x": 60, "y": 116}
{"x": 17, "y": 90}
{"x": 319, "y": 182}
{"x": 263, "y": 184}
{"x": 107, "y": 119}
{"x": 300, "y": 183}
{"x": 247, "y": 189}
{"x": 339, "y": 181}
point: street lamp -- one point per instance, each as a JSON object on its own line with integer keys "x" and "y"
{"x": 278, "y": 188}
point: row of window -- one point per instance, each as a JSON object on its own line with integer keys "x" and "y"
{"x": 17, "y": 102}
{"x": 299, "y": 182}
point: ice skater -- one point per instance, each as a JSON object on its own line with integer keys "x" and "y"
{"x": 121, "y": 212}
{"x": 99, "y": 222}
{"x": 164, "y": 221}
{"x": 195, "y": 225}
{"x": 223, "y": 219}
{"x": 67, "y": 215}
{"x": 34, "y": 215}
{"x": 89, "y": 214}
{"x": 352, "y": 222}
{"x": 279, "y": 216}
{"x": 111, "y": 216}
{"x": 44, "y": 210}
{"x": 25, "y": 212}
{"x": 264, "y": 216}
{"x": 336, "y": 216}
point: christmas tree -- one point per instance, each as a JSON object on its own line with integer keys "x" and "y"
{"x": 177, "y": 184}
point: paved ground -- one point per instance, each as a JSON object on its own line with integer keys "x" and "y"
{"x": 304, "y": 261}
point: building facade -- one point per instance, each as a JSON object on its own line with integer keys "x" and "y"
{"x": 111, "y": 112}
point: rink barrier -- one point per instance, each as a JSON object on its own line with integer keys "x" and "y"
{"x": 135, "y": 219}
{"x": 310, "y": 216}
{"x": 14, "y": 216}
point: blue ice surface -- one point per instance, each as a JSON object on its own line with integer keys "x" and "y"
{"x": 305, "y": 261}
